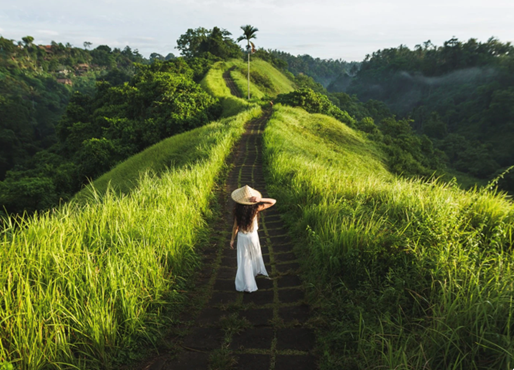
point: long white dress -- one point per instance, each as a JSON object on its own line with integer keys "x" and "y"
{"x": 249, "y": 259}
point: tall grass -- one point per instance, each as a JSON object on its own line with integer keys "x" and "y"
{"x": 81, "y": 286}
{"x": 409, "y": 274}
{"x": 278, "y": 82}
{"x": 174, "y": 152}
{"x": 215, "y": 85}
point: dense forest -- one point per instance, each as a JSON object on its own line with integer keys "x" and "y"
{"x": 36, "y": 84}
{"x": 70, "y": 114}
{"x": 460, "y": 94}
{"x": 333, "y": 74}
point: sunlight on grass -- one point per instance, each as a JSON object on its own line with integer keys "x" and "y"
{"x": 215, "y": 85}
{"x": 408, "y": 274}
{"x": 82, "y": 285}
{"x": 270, "y": 82}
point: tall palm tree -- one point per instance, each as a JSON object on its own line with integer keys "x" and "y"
{"x": 248, "y": 34}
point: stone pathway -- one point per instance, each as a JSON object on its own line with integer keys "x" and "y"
{"x": 264, "y": 330}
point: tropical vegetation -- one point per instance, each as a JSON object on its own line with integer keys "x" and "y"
{"x": 85, "y": 284}
{"x": 459, "y": 94}
{"x": 109, "y": 162}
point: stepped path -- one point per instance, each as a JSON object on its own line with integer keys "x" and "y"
{"x": 264, "y": 330}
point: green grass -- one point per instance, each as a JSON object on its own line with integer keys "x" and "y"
{"x": 83, "y": 286}
{"x": 406, "y": 274}
{"x": 175, "y": 152}
{"x": 214, "y": 84}
{"x": 278, "y": 82}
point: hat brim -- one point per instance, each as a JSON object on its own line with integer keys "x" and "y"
{"x": 244, "y": 200}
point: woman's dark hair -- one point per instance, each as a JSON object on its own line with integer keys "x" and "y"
{"x": 244, "y": 214}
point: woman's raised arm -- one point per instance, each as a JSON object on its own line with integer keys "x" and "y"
{"x": 265, "y": 202}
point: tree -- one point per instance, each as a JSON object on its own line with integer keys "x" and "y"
{"x": 209, "y": 44}
{"x": 248, "y": 34}
{"x": 219, "y": 44}
{"x": 435, "y": 127}
{"x": 27, "y": 40}
{"x": 189, "y": 42}
{"x": 156, "y": 56}
{"x": 87, "y": 44}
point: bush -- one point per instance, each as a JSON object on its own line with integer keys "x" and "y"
{"x": 314, "y": 102}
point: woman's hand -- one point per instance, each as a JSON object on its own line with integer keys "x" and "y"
{"x": 232, "y": 244}
{"x": 255, "y": 199}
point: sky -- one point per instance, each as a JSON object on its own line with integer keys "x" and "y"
{"x": 328, "y": 29}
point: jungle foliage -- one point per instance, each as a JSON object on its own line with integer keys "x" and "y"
{"x": 460, "y": 94}
{"x": 324, "y": 71}
{"x": 118, "y": 121}
{"x": 36, "y": 83}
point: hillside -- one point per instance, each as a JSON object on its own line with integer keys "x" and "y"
{"x": 36, "y": 83}
{"x": 265, "y": 80}
{"x": 178, "y": 151}
{"x": 111, "y": 265}
{"x": 460, "y": 94}
{"x": 402, "y": 272}
{"x": 405, "y": 273}
{"x": 108, "y": 271}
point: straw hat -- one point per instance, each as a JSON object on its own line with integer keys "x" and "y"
{"x": 243, "y": 195}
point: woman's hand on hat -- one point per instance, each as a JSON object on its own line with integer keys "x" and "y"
{"x": 255, "y": 199}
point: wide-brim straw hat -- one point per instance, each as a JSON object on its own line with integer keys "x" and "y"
{"x": 243, "y": 195}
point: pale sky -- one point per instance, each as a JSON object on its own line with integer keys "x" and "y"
{"x": 323, "y": 28}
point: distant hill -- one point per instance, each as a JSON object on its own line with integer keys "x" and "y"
{"x": 460, "y": 94}
{"x": 36, "y": 82}
{"x": 323, "y": 71}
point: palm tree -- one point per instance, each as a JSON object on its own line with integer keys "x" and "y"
{"x": 248, "y": 34}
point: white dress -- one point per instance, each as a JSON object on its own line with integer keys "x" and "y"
{"x": 249, "y": 259}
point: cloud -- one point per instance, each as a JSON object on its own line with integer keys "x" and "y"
{"x": 48, "y": 32}
{"x": 324, "y": 28}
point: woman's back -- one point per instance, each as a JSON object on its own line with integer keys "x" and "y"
{"x": 254, "y": 227}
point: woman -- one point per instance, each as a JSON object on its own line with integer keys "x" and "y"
{"x": 249, "y": 203}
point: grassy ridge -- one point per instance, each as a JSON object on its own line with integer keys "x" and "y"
{"x": 265, "y": 79}
{"x": 407, "y": 274}
{"x": 81, "y": 285}
{"x": 173, "y": 152}
{"x": 214, "y": 84}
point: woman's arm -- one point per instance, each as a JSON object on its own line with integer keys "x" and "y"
{"x": 235, "y": 229}
{"x": 266, "y": 202}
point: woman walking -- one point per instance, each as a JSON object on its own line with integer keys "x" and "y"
{"x": 249, "y": 203}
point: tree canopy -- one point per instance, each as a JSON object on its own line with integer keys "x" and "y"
{"x": 204, "y": 43}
